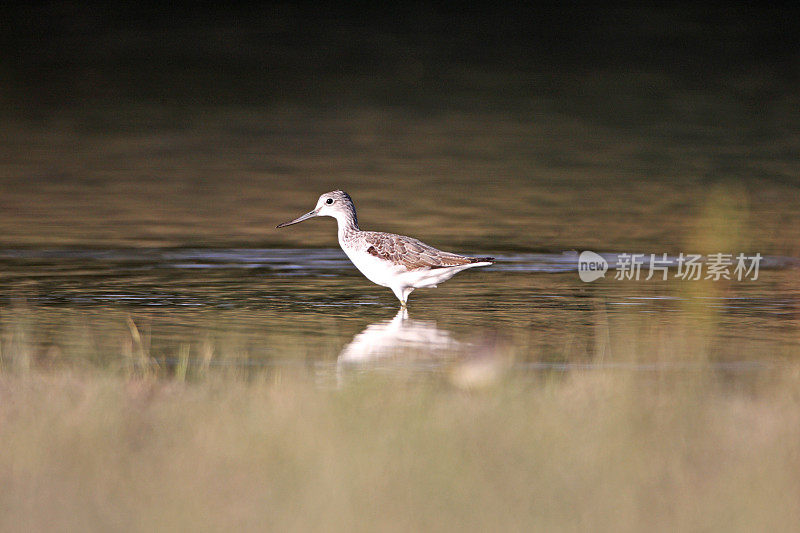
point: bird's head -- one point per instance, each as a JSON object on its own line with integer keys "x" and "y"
{"x": 336, "y": 204}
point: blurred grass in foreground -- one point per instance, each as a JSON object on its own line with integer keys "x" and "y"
{"x": 92, "y": 447}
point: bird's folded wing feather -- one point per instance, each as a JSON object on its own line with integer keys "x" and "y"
{"x": 409, "y": 252}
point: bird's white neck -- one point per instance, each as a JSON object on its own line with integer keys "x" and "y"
{"x": 347, "y": 222}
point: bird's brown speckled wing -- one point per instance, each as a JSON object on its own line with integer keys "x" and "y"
{"x": 411, "y": 253}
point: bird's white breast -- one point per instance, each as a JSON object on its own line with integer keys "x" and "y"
{"x": 378, "y": 271}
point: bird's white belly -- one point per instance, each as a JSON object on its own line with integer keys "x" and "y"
{"x": 376, "y": 270}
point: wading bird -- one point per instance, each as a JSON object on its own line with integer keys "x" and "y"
{"x": 395, "y": 261}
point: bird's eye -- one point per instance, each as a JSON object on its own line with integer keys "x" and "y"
{"x": 329, "y": 201}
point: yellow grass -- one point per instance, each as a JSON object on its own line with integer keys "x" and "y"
{"x": 83, "y": 448}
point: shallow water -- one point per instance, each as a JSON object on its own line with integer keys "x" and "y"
{"x": 252, "y": 308}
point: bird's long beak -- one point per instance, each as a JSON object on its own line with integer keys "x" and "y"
{"x": 308, "y": 215}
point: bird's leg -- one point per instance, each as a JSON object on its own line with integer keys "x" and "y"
{"x": 406, "y": 292}
{"x": 402, "y": 295}
{"x": 398, "y": 291}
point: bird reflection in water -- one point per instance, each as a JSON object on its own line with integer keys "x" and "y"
{"x": 403, "y": 345}
{"x": 400, "y": 336}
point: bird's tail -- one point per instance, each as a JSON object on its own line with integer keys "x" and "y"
{"x": 481, "y": 259}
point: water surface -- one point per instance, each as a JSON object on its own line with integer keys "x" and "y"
{"x": 275, "y": 307}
